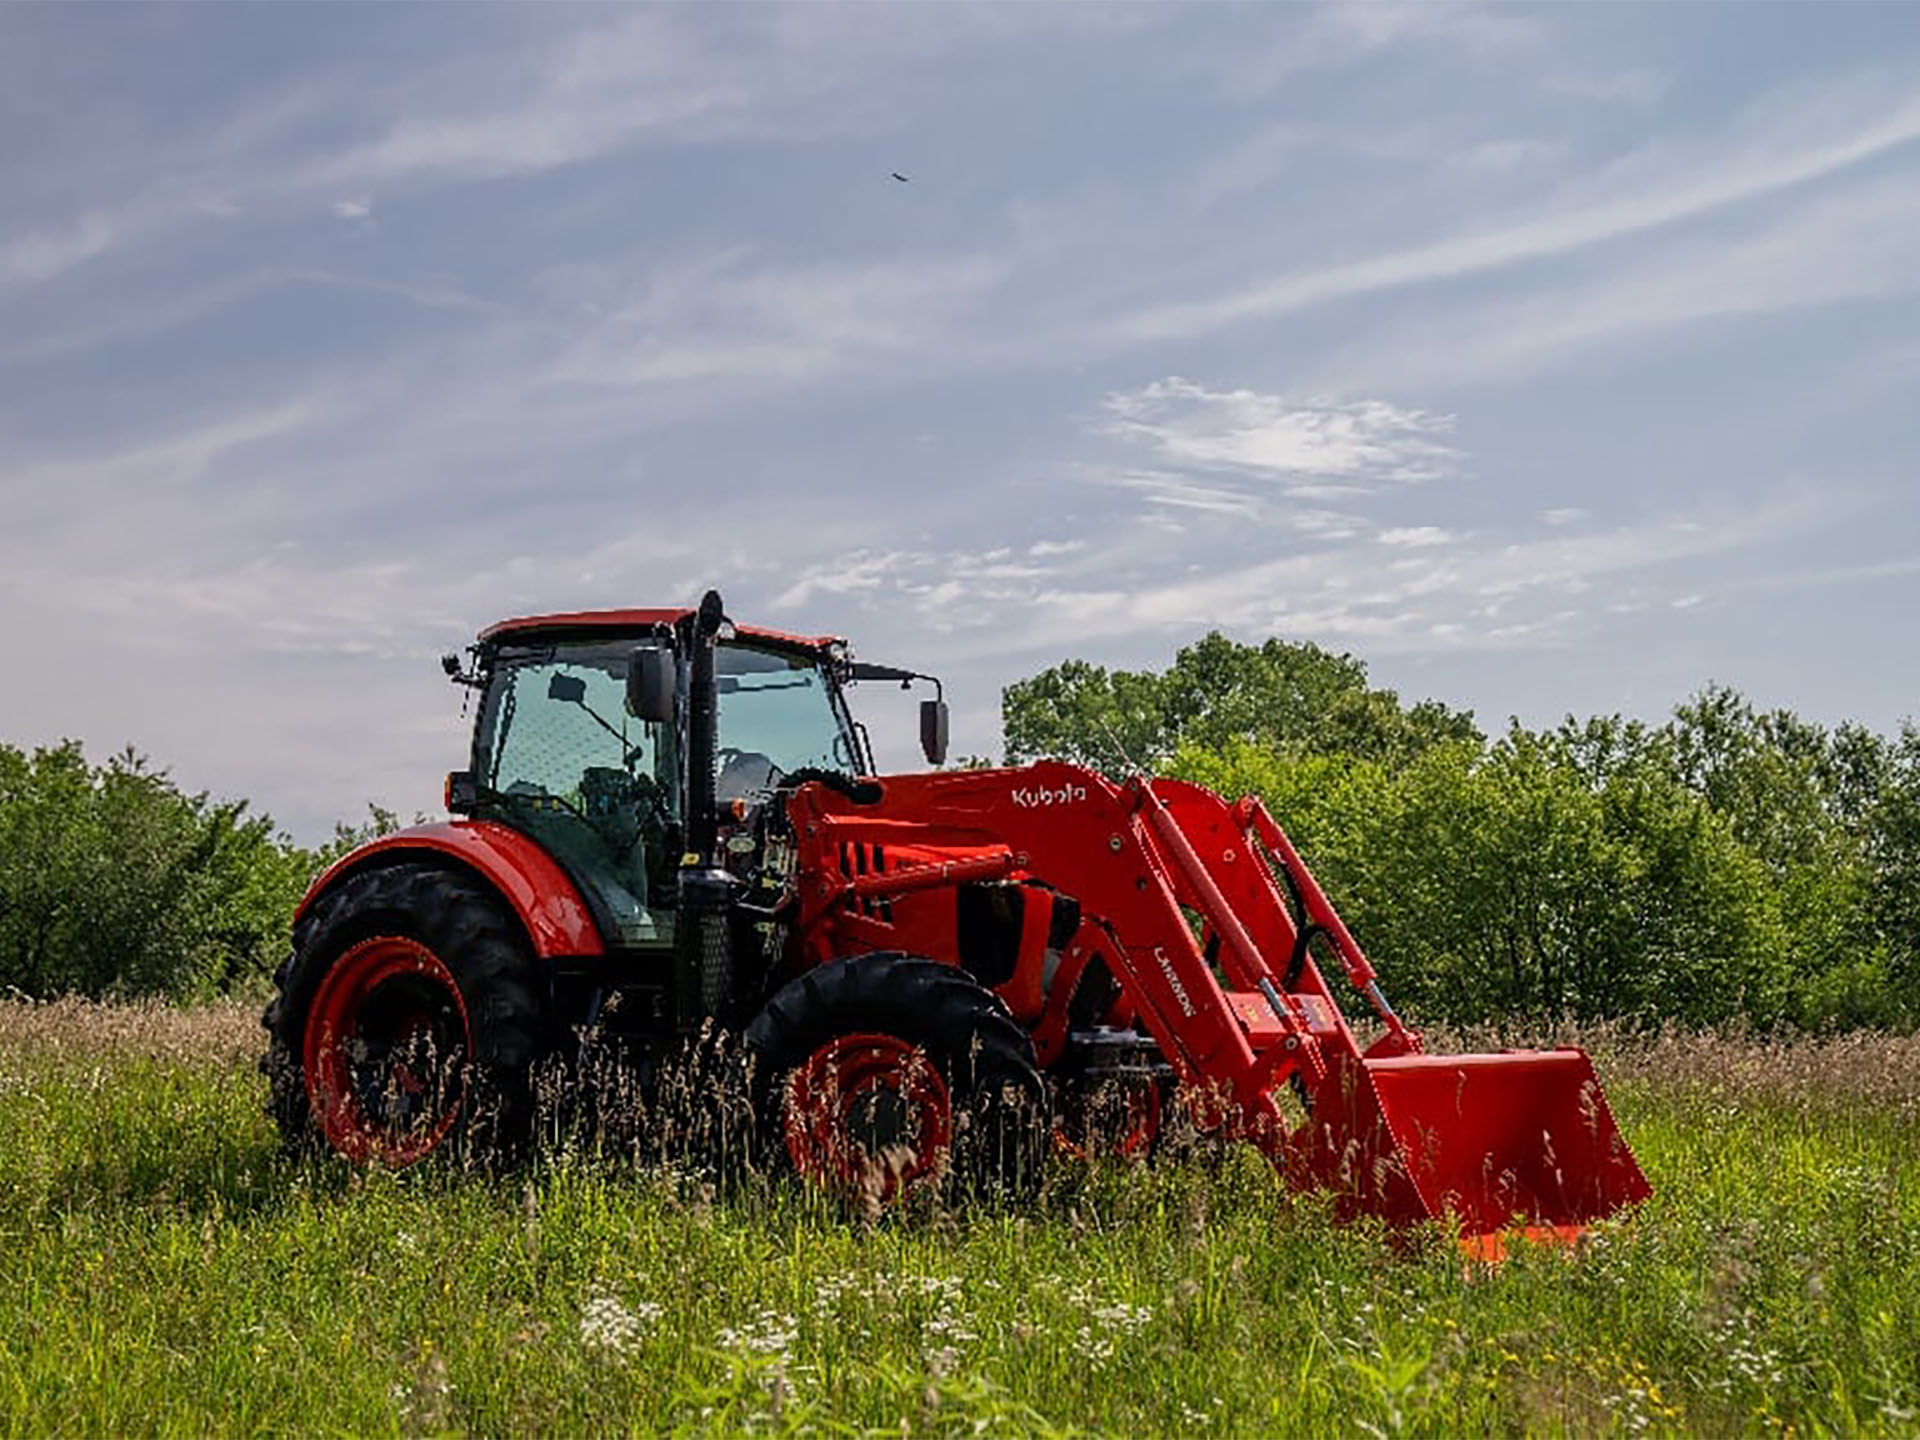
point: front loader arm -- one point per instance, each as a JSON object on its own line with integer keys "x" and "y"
{"x": 880, "y": 876}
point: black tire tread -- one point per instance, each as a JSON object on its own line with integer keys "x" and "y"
{"x": 985, "y": 1056}
{"x": 462, "y": 921}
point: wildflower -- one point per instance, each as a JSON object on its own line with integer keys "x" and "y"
{"x": 1125, "y": 1319}
{"x": 606, "y": 1324}
{"x": 951, "y": 1327}
{"x": 768, "y": 1333}
{"x": 1094, "y": 1347}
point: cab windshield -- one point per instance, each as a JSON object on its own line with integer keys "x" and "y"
{"x": 778, "y": 714}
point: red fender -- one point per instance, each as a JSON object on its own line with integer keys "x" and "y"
{"x": 547, "y": 901}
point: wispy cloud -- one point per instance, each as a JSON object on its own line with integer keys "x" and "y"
{"x": 1493, "y": 593}
{"x": 1262, "y": 434}
{"x": 1416, "y": 537}
{"x": 37, "y": 255}
{"x": 179, "y": 457}
{"x": 1177, "y": 490}
{"x": 570, "y": 89}
{"x": 1648, "y": 191}
{"x": 1333, "y": 36}
{"x": 727, "y": 317}
{"x": 1856, "y": 244}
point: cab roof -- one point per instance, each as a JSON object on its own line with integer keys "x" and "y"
{"x": 615, "y": 622}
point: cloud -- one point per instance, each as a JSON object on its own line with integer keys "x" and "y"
{"x": 1782, "y": 146}
{"x": 1505, "y": 156}
{"x": 1262, "y": 434}
{"x": 41, "y": 254}
{"x": 1639, "y": 86}
{"x": 1337, "y": 35}
{"x": 856, "y": 574}
{"x": 1178, "y": 491}
{"x": 1859, "y": 243}
{"x": 179, "y": 457}
{"x": 145, "y": 316}
{"x": 722, "y": 317}
{"x": 533, "y": 93}
{"x": 1461, "y": 598}
{"x": 1271, "y": 568}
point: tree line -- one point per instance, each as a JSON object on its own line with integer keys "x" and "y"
{"x": 115, "y": 882}
{"x": 1727, "y": 864}
{"x": 1730, "y": 864}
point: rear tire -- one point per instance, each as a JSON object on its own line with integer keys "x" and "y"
{"x": 886, "y": 1074}
{"x": 406, "y": 1023}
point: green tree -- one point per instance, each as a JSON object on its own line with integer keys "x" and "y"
{"x": 1293, "y": 697}
{"x": 115, "y": 882}
{"x": 1891, "y": 830}
{"x": 1502, "y": 882}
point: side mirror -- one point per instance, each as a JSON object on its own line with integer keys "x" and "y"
{"x": 463, "y": 792}
{"x": 933, "y": 731}
{"x": 651, "y": 682}
{"x": 567, "y": 689}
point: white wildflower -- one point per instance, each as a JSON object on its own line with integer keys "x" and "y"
{"x": 1095, "y": 1347}
{"x": 606, "y": 1324}
{"x": 768, "y": 1333}
{"x": 1107, "y": 1322}
{"x": 1124, "y": 1319}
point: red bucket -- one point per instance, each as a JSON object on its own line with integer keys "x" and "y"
{"x": 1485, "y": 1143}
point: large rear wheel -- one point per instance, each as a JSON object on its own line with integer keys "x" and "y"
{"x": 406, "y": 1022}
{"x": 886, "y": 1074}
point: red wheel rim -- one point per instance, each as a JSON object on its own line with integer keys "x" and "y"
{"x": 385, "y": 1039}
{"x": 869, "y": 1114}
{"x": 1134, "y": 1135}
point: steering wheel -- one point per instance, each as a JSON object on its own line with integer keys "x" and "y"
{"x": 742, "y": 771}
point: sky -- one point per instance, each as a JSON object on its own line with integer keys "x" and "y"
{"x": 1553, "y": 360}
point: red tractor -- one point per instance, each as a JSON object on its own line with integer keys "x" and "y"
{"x": 671, "y": 826}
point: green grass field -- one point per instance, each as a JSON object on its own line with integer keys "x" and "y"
{"x": 166, "y": 1269}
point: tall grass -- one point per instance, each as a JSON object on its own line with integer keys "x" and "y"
{"x": 166, "y": 1268}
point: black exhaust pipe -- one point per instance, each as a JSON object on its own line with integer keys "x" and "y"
{"x": 703, "y": 722}
{"x": 703, "y": 958}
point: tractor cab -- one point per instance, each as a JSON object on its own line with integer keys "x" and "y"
{"x": 582, "y": 743}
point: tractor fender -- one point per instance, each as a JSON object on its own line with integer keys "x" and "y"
{"x": 547, "y": 902}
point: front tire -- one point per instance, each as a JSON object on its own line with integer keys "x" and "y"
{"x": 406, "y": 1022}
{"x": 886, "y": 1074}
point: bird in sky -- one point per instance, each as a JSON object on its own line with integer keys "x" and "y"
{"x": 901, "y": 178}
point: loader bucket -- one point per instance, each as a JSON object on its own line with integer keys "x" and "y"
{"x": 1521, "y": 1140}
